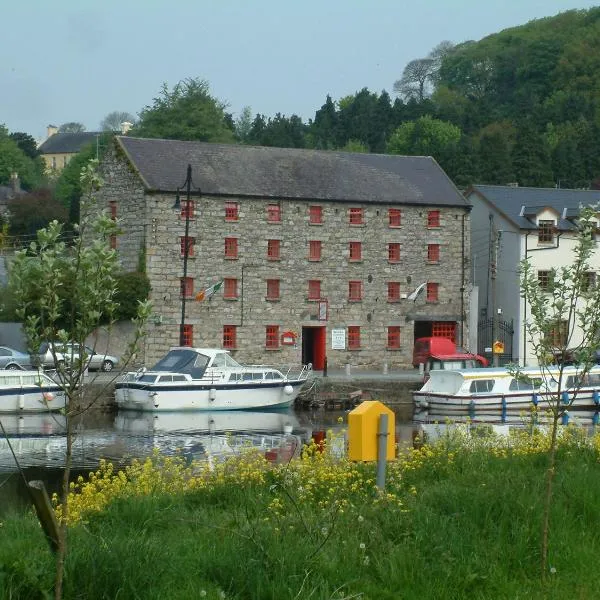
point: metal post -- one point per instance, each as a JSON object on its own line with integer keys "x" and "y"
{"x": 382, "y": 435}
{"x": 494, "y": 269}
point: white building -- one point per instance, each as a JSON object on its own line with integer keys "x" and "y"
{"x": 509, "y": 224}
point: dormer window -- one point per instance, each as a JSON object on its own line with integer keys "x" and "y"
{"x": 546, "y": 232}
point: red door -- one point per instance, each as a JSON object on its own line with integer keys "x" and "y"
{"x": 319, "y": 348}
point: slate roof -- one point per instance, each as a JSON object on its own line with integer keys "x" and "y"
{"x": 288, "y": 173}
{"x": 68, "y": 143}
{"x": 518, "y": 202}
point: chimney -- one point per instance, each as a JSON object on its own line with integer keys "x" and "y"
{"x": 15, "y": 183}
{"x": 125, "y": 127}
{"x": 51, "y": 130}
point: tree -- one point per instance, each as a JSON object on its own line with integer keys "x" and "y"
{"x": 26, "y": 143}
{"x": 14, "y": 160}
{"x": 187, "y": 112}
{"x": 65, "y": 291}
{"x": 33, "y": 211}
{"x": 113, "y": 120}
{"x": 425, "y": 136}
{"x": 355, "y": 146}
{"x": 243, "y": 125}
{"x": 415, "y": 79}
{"x": 71, "y": 127}
{"x": 531, "y": 158}
{"x": 495, "y": 156}
{"x": 565, "y": 315}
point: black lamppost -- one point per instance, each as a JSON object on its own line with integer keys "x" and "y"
{"x": 186, "y": 245}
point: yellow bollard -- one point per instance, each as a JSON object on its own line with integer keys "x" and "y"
{"x": 363, "y": 423}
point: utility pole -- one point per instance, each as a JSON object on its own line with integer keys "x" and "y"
{"x": 494, "y": 270}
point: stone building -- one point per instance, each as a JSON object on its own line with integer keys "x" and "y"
{"x": 326, "y": 257}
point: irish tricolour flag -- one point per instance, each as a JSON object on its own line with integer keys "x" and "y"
{"x": 207, "y": 293}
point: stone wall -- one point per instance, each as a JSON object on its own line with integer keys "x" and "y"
{"x": 151, "y": 220}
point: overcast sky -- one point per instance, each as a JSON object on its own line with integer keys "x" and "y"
{"x": 78, "y": 60}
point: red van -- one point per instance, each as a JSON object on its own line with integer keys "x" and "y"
{"x": 426, "y": 348}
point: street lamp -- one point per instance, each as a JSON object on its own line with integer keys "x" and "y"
{"x": 186, "y": 244}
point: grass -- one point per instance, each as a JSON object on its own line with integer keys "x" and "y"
{"x": 459, "y": 519}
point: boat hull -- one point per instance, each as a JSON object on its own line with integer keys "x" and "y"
{"x": 34, "y": 400}
{"x": 192, "y": 397}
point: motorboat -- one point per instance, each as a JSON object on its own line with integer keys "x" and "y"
{"x": 501, "y": 389}
{"x": 208, "y": 379}
{"x": 29, "y": 392}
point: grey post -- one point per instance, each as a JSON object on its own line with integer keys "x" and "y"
{"x": 382, "y": 435}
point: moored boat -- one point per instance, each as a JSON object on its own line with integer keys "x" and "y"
{"x": 208, "y": 379}
{"x": 489, "y": 389}
{"x": 29, "y": 392}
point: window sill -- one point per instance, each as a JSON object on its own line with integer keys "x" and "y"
{"x": 231, "y": 258}
{"x": 271, "y": 349}
{"x": 355, "y": 260}
{"x": 189, "y": 257}
{"x": 393, "y": 262}
{"x": 272, "y": 299}
{"x": 393, "y": 348}
{"x": 315, "y": 259}
{"x": 231, "y": 298}
{"x": 274, "y": 258}
{"x": 434, "y": 226}
{"x": 433, "y": 262}
{"x": 273, "y": 222}
{"x": 432, "y": 301}
{"x": 318, "y": 224}
{"x": 357, "y": 224}
{"x": 355, "y": 299}
{"x": 231, "y": 220}
{"x": 354, "y": 349}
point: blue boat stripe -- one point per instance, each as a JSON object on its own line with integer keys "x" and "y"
{"x": 185, "y": 387}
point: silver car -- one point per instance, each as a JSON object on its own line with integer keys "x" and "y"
{"x": 13, "y": 359}
{"x": 65, "y": 353}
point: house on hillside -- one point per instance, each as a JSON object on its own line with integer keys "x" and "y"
{"x": 319, "y": 252}
{"x": 509, "y": 224}
{"x": 59, "y": 148}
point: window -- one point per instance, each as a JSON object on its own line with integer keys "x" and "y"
{"x": 354, "y": 291}
{"x": 355, "y": 251}
{"x": 544, "y": 279}
{"x": 230, "y": 288}
{"x": 445, "y": 329}
{"x": 274, "y": 213}
{"x": 187, "y": 209}
{"x": 393, "y": 291}
{"x": 315, "y": 215}
{"x": 546, "y": 232}
{"x": 433, "y": 253}
{"x": 433, "y": 218}
{"x": 432, "y": 292}
{"x": 231, "y": 211}
{"x": 186, "y": 286}
{"x": 394, "y": 217}
{"x": 355, "y": 216}
{"x": 393, "y": 341}
{"x": 272, "y": 289}
{"x": 314, "y": 289}
{"x": 231, "y": 248}
{"x": 188, "y": 335}
{"x": 273, "y": 249}
{"x": 314, "y": 250}
{"x": 353, "y": 337}
{"x": 190, "y": 245}
{"x": 589, "y": 281}
{"x": 229, "y": 336}
{"x": 272, "y": 337}
{"x": 481, "y": 386}
{"x": 394, "y": 252}
{"x": 558, "y": 334}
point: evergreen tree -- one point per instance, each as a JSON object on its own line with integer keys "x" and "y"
{"x": 531, "y": 158}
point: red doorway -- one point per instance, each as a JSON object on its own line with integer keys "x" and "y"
{"x": 314, "y": 346}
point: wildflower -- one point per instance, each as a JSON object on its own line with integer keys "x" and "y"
{"x": 324, "y": 531}
{"x": 362, "y": 546}
{"x": 553, "y": 570}
{"x": 366, "y": 561}
{"x": 202, "y": 593}
{"x": 340, "y": 419}
{"x": 360, "y": 518}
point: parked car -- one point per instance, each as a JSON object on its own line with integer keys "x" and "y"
{"x": 65, "y": 353}
{"x": 13, "y": 359}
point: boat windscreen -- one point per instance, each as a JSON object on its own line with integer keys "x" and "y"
{"x": 183, "y": 361}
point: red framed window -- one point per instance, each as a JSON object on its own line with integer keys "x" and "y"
{"x": 355, "y": 251}
{"x": 315, "y": 215}
{"x": 229, "y": 336}
{"x": 186, "y": 286}
{"x": 395, "y": 217}
{"x": 433, "y": 218}
{"x": 355, "y": 216}
{"x": 190, "y": 245}
{"x": 274, "y": 213}
{"x": 354, "y": 291}
{"x": 272, "y": 337}
{"x": 393, "y": 252}
{"x": 353, "y": 337}
{"x": 231, "y": 248}
{"x": 188, "y": 334}
{"x": 314, "y": 250}
{"x": 230, "y": 287}
{"x": 433, "y": 253}
{"x": 273, "y": 289}
{"x": 432, "y": 292}
{"x": 187, "y": 209}
{"x": 112, "y": 207}
{"x": 232, "y": 211}
{"x": 314, "y": 289}
{"x": 393, "y": 291}
{"x": 393, "y": 337}
{"x": 273, "y": 249}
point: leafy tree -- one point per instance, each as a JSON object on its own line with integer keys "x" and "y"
{"x": 531, "y": 158}
{"x": 325, "y": 128}
{"x": 187, "y": 112}
{"x": 132, "y": 288}
{"x": 282, "y": 132}
{"x": 71, "y": 127}
{"x": 34, "y": 211}
{"x": 415, "y": 80}
{"x": 113, "y": 120}
{"x": 14, "y": 160}
{"x": 65, "y": 291}
{"x": 425, "y": 136}
{"x": 355, "y": 146}
{"x": 495, "y": 154}
{"x": 243, "y": 125}
{"x": 26, "y": 143}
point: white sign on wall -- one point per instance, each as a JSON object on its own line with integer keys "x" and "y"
{"x": 338, "y": 339}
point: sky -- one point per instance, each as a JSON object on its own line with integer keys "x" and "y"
{"x": 79, "y": 60}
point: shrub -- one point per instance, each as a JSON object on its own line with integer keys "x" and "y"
{"x": 131, "y": 287}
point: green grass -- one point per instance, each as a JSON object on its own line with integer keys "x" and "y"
{"x": 472, "y": 530}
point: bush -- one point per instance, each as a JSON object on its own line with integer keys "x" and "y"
{"x": 131, "y": 288}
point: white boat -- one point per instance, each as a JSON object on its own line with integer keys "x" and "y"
{"x": 497, "y": 389}
{"x": 29, "y": 392}
{"x": 208, "y": 379}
